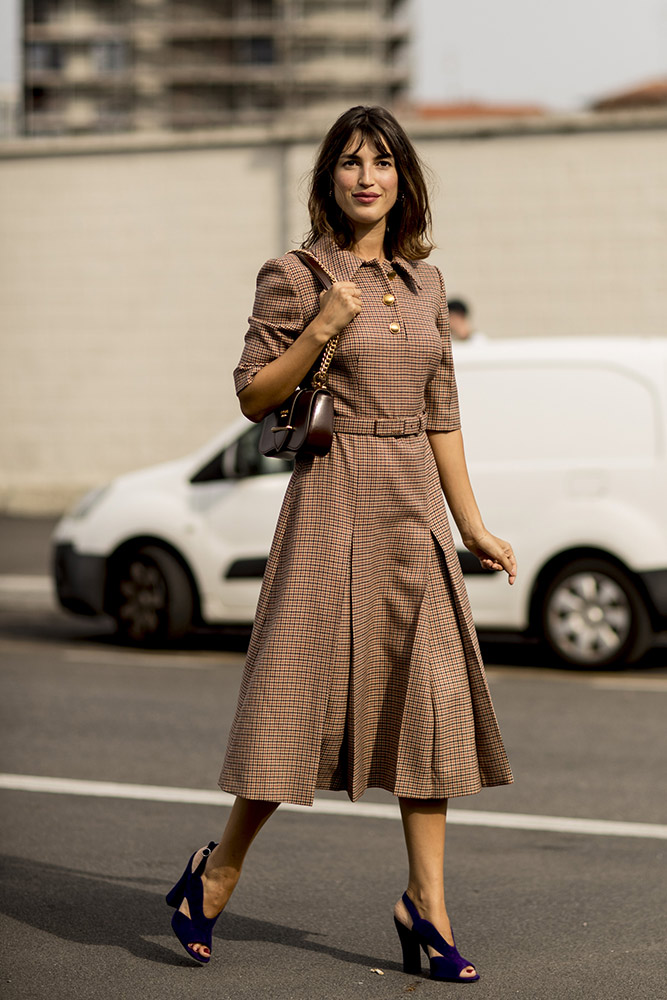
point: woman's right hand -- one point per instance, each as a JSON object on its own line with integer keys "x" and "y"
{"x": 338, "y": 307}
{"x": 280, "y": 377}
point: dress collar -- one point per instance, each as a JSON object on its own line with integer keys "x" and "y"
{"x": 344, "y": 265}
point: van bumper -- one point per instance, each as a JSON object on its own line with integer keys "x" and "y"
{"x": 655, "y": 581}
{"x": 80, "y": 580}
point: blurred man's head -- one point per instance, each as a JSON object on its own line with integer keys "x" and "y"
{"x": 459, "y": 319}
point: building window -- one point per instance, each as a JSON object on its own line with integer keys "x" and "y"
{"x": 39, "y": 99}
{"x": 255, "y": 51}
{"x": 40, "y": 11}
{"x": 263, "y": 8}
{"x": 313, "y": 7}
{"x": 358, "y": 49}
{"x": 254, "y": 8}
{"x": 310, "y": 50}
{"x": 111, "y": 11}
{"x": 262, "y": 99}
{"x": 110, "y": 57}
{"x": 114, "y": 113}
{"x": 43, "y": 56}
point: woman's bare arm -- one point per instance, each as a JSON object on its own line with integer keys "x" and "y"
{"x": 492, "y": 552}
{"x": 277, "y": 380}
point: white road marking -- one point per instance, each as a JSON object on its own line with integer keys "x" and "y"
{"x": 16, "y": 583}
{"x": 105, "y": 657}
{"x": 331, "y": 807}
{"x": 20, "y": 592}
{"x": 555, "y": 675}
{"x": 109, "y": 658}
{"x": 655, "y": 685}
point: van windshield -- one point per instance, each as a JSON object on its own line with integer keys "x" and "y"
{"x": 241, "y": 459}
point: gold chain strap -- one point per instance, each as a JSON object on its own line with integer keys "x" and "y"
{"x": 320, "y": 376}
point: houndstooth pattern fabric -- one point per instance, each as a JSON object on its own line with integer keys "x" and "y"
{"x": 363, "y": 668}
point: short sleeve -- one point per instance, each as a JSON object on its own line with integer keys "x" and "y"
{"x": 277, "y": 319}
{"x": 442, "y": 401}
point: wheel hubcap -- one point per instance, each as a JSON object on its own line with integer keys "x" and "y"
{"x": 144, "y": 593}
{"x": 589, "y": 617}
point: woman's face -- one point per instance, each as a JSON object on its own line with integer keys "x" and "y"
{"x": 365, "y": 183}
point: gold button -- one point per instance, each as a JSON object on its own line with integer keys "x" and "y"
{"x": 388, "y": 299}
{"x": 395, "y": 327}
{"x": 391, "y": 274}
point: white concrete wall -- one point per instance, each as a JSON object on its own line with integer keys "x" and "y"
{"x": 128, "y": 274}
{"x": 126, "y": 288}
{"x": 555, "y": 234}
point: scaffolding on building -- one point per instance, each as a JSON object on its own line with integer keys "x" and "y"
{"x": 163, "y": 65}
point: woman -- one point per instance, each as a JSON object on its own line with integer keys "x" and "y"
{"x": 363, "y": 669}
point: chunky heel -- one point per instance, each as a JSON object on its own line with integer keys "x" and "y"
{"x": 195, "y": 929}
{"x": 412, "y": 963}
{"x": 176, "y": 895}
{"x": 446, "y": 966}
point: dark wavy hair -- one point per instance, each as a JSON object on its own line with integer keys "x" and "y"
{"x": 409, "y": 221}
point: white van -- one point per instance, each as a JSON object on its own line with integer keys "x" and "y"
{"x": 566, "y": 442}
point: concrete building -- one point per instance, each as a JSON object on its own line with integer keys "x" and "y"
{"x": 129, "y": 267}
{"x": 126, "y": 65}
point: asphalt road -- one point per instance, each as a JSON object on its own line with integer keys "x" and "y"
{"x": 542, "y": 913}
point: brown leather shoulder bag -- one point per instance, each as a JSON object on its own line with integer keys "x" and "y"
{"x": 303, "y": 424}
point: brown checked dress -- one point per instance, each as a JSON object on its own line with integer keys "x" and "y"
{"x": 363, "y": 668}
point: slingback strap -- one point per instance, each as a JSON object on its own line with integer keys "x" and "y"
{"x": 204, "y": 856}
{"x": 428, "y": 932}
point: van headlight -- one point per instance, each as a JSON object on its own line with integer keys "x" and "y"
{"x": 84, "y": 506}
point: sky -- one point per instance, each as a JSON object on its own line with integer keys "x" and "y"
{"x": 558, "y": 53}
{"x": 561, "y": 54}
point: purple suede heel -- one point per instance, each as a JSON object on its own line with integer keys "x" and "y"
{"x": 195, "y": 929}
{"x": 447, "y": 966}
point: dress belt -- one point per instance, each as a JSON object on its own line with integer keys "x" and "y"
{"x": 391, "y": 427}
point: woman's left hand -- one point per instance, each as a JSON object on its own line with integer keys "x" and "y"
{"x": 493, "y": 553}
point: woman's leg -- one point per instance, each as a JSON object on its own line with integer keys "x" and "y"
{"x": 224, "y": 864}
{"x": 424, "y": 822}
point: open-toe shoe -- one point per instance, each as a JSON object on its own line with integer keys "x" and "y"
{"x": 195, "y": 929}
{"x": 446, "y": 966}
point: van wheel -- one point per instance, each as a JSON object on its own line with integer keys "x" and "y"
{"x": 594, "y": 616}
{"x": 151, "y": 597}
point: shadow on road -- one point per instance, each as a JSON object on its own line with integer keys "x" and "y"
{"x": 96, "y": 909}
